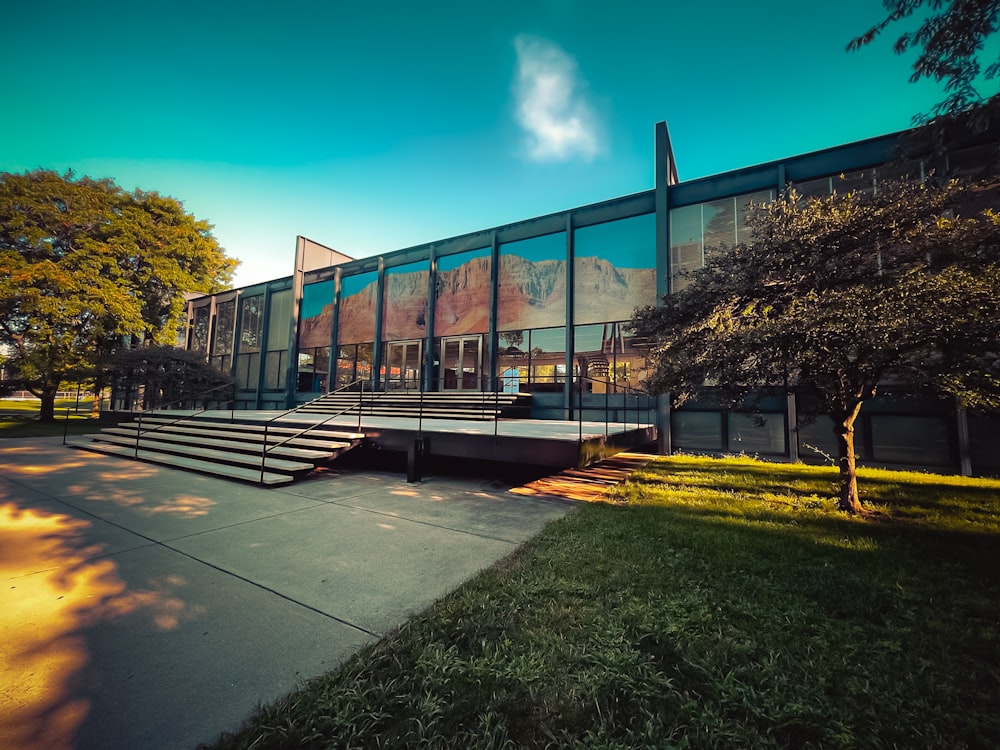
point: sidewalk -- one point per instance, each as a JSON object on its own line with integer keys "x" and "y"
{"x": 143, "y": 607}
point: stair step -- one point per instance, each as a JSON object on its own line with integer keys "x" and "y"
{"x": 203, "y": 437}
{"x": 284, "y": 429}
{"x": 190, "y": 464}
{"x": 240, "y": 459}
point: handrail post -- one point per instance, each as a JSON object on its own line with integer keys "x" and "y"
{"x": 263, "y": 454}
{"x": 138, "y": 433}
{"x": 420, "y": 412}
{"x": 66, "y": 422}
{"x": 607, "y": 407}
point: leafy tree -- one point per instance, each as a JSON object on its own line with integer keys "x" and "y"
{"x": 950, "y": 38}
{"x": 166, "y": 374}
{"x": 835, "y": 297}
{"x": 84, "y": 263}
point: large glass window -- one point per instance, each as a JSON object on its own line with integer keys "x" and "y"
{"x": 849, "y": 182}
{"x": 316, "y": 315}
{"x": 748, "y": 435}
{"x": 200, "y": 329}
{"x": 462, "y": 293}
{"x": 248, "y": 354}
{"x": 614, "y": 268}
{"x": 607, "y": 359}
{"x": 355, "y": 362}
{"x": 313, "y": 369}
{"x": 696, "y": 430}
{"x": 315, "y": 330}
{"x": 532, "y": 283}
{"x": 699, "y": 230}
{"x": 910, "y": 440}
{"x": 222, "y": 346}
{"x": 512, "y": 358}
{"x": 279, "y": 320}
{"x": 358, "y": 306}
{"x": 404, "y": 312}
{"x": 686, "y": 247}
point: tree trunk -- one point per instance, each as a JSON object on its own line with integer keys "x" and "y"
{"x": 47, "y": 409}
{"x": 849, "y": 499}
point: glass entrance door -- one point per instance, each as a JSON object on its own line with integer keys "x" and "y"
{"x": 402, "y": 364}
{"x": 461, "y": 363}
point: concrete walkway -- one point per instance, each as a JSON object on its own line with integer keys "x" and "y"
{"x": 144, "y": 607}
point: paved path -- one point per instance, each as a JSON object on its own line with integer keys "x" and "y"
{"x": 143, "y": 607}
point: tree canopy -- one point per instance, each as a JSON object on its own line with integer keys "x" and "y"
{"x": 835, "y": 297}
{"x": 84, "y": 263}
{"x": 950, "y": 37}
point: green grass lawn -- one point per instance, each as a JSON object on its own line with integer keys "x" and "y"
{"x": 712, "y": 604}
{"x": 19, "y": 419}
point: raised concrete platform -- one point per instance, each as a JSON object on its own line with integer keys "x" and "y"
{"x": 548, "y": 443}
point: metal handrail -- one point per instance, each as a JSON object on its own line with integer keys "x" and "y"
{"x": 141, "y": 412}
{"x": 264, "y": 449}
{"x": 626, "y": 391}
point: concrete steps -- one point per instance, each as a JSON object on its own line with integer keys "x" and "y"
{"x": 413, "y": 404}
{"x": 227, "y": 449}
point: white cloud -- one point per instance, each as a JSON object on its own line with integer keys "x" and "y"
{"x": 558, "y": 121}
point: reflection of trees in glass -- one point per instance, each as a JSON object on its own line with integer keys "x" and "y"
{"x": 699, "y": 231}
{"x": 511, "y": 340}
{"x": 251, "y": 324}
{"x": 199, "y": 334}
{"x": 225, "y": 318}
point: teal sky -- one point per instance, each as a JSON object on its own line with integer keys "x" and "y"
{"x": 370, "y": 127}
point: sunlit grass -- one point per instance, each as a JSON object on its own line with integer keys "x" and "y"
{"x": 19, "y": 419}
{"x": 709, "y": 604}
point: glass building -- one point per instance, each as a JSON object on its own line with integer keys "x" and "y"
{"x": 542, "y": 306}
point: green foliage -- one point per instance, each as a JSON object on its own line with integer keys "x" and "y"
{"x": 84, "y": 263}
{"x": 950, "y": 37}
{"x": 838, "y": 294}
{"x": 835, "y": 296}
{"x": 715, "y": 604}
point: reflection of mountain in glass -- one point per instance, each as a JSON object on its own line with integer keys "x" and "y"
{"x": 463, "y": 299}
{"x": 604, "y": 292}
{"x": 405, "y": 313}
{"x": 532, "y": 295}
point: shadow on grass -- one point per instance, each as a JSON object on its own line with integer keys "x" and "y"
{"x": 712, "y": 624}
{"x": 30, "y": 427}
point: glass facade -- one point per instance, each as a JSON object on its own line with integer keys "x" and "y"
{"x": 315, "y": 333}
{"x": 278, "y": 327}
{"x": 698, "y": 230}
{"x": 404, "y": 309}
{"x": 200, "y": 327}
{"x": 614, "y": 269}
{"x": 358, "y": 307}
{"x": 251, "y": 331}
{"x": 532, "y": 283}
{"x": 222, "y": 345}
{"x": 606, "y": 358}
{"x": 462, "y": 293}
{"x": 527, "y": 308}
